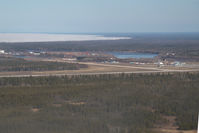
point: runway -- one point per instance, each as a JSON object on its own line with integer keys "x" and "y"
{"x": 98, "y": 69}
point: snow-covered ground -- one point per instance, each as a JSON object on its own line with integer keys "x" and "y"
{"x": 18, "y": 37}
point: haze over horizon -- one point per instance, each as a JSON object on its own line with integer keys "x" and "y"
{"x": 96, "y": 16}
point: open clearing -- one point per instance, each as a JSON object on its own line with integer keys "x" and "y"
{"x": 170, "y": 126}
{"x": 99, "y": 68}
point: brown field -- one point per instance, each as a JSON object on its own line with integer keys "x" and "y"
{"x": 170, "y": 126}
{"x": 162, "y": 130}
{"x": 99, "y": 68}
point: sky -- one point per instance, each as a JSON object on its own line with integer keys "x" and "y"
{"x": 99, "y": 16}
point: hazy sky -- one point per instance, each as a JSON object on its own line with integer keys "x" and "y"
{"x": 99, "y": 16}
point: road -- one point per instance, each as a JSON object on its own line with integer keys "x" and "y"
{"x": 106, "y": 69}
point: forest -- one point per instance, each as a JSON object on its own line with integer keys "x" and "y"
{"x": 122, "y": 103}
{"x": 185, "y": 45}
{"x": 8, "y": 64}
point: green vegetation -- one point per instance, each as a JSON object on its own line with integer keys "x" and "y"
{"x": 131, "y": 103}
{"x": 14, "y": 64}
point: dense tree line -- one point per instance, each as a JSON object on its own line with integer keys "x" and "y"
{"x": 123, "y": 103}
{"x": 14, "y": 64}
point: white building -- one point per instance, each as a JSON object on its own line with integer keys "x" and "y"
{"x": 2, "y": 51}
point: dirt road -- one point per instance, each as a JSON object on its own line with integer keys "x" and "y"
{"x": 99, "y": 68}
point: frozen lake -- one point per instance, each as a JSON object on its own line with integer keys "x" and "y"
{"x": 29, "y": 37}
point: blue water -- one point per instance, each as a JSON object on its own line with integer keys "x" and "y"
{"x": 22, "y": 56}
{"x": 126, "y": 55}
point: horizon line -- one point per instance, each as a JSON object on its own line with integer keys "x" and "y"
{"x": 89, "y": 32}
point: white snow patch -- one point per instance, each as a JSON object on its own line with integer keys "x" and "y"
{"x": 18, "y": 37}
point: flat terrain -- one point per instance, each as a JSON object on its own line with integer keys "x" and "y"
{"x": 13, "y": 38}
{"x": 57, "y": 91}
{"x": 101, "y": 68}
{"x": 170, "y": 46}
{"x": 170, "y": 126}
{"x": 120, "y": 103}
